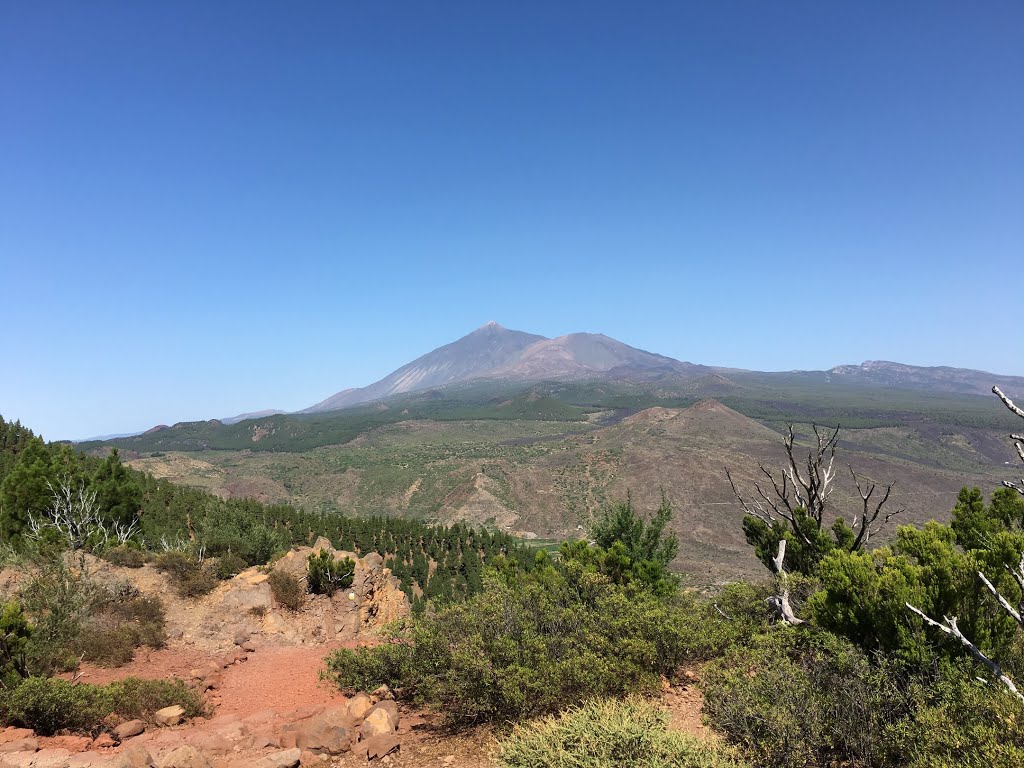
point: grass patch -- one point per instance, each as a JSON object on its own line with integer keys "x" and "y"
{"x": 610, "y": 734}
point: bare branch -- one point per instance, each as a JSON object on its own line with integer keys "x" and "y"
{"x": 1008, "y": 402}
{"x": 951, "y": 629}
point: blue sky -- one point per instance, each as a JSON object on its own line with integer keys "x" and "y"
{"x": 208, "y": 208}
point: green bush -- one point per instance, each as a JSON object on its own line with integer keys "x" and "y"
{"x": 120, "y": 624}
{"x": 58, "y": 599}
{"x": 229, "y": 564}
{"x": 609, "y": 734}
{"x": 287, "y": 590}
{"x": 125, "y": 556}
{"x": 48, "y": 705}
{"x": 528, "y": 645}
{"x": 326, "y": 575}
{"x": 794, "y": 698}
{"x": 15, "y": 633}
{"x": 187, "y": 575}
{"x": 963, "y": 723}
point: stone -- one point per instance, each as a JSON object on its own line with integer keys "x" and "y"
{"x": 169, "y": 716}
{"x": 379, "y": 746}
{"x": 377, "y": 723}
{"x": 287, "y": 758}
{"x": 184, "y": 757}
{"x": 359, "y": 706}
{"x": 249, "y": 646}
{"x": 318, "y": 734}
{"x": 51, "y": 758}
{"x": 382, "y": 693}
{"x": 391, "y": 708}
{"x": 129, "y": 729}
{"x": 104, "y": 741}
{"x": 24, "y": 744}
{"x": 8, "y": 735}
{"x": 133, "y": 757}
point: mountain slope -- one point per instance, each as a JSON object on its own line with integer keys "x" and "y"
{"x": 475, "y": 355}
{"x": 586, "y": 354}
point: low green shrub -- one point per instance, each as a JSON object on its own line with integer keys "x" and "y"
{"x": 528, "y": 645}
{"x": 49, "y": 705}
{"x": 610, "y": 734}
{"x": 125, "y": 556}
{"x": 188, "y": 577}
{"x": 229, "y": 564}
{"x": 15, "y": 633}
{"x": 796, "y": 697}
{"x": 118, "y": 625}
{"x": 57, "y": 598}
{"x": 963, "y": 723}
{"x": 326, "y": 575}
{"x": 287, "y": 589}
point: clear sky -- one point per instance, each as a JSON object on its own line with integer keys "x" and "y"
{"x": 214, "y": 207}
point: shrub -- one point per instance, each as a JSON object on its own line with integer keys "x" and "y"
{"x": 125, "y": 556}
{"x": 326, "y": 575}
{"x": 119, "y": 625}
{"x": 526, "y": 646}
{"x": 959, "y": 711}
{"x": 229, "y": 564}
{"x": 57, "y": 599}
{"x": 49, "y": 705}
{"x": 187, "y": 575}
{"x": 14, "y": 637}
{"x": 609, "y": 734}
{"x": 796, "y": 698}
{"x": 287, "y": 589}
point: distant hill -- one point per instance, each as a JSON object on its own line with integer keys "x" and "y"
{"x": 937, "y": 379}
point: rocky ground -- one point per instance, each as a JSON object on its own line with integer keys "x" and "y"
{"x": 258, "y": 667}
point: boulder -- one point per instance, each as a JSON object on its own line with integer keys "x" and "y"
{"x": 129, "y": 729}
{"x": 169, "y": 716}
{"x": 184, "y": 757}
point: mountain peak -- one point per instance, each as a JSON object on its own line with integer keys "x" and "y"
{"x": 491, "y": 325}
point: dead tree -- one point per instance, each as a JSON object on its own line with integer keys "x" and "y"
{"x": 805, "y": 486}
{"x": 1016, "y": 612}
{"x": 75, "y": 515}
{"x": 780, "y": 603}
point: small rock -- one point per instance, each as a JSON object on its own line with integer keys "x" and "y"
{"x": 288, "y": 758}
{"x": 184, "y": 757}
{"x": 169, "y": 715}
{"x": 377, "y": 723}
{"x": 25, "y": 744}
{"x": 379, "y": 746}
{"x": 249, "y": 646}
{"x": 382, "y": 693}
{"x": 8, "y": 735}
{"x": 359, "y": 706}
{"x": 51, "y": 758}
{"x": 104, "y": 741}
{"x": 129, "y": 729}
{"x": 133, "y": 757}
